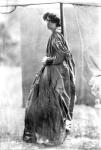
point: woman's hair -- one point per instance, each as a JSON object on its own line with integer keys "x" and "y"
{"x": 53, "y": 18}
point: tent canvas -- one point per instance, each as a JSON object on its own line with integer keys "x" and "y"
{"x": 81, "y": 27}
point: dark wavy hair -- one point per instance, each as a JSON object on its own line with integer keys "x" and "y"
{"x": 53, "y": 18}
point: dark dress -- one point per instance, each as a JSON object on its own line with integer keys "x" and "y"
{"x": 51, "y": 98}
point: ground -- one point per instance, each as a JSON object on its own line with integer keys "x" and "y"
{"x": 85, "y": 133}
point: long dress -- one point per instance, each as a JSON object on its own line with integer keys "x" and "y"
{"x": 52, "y": 95}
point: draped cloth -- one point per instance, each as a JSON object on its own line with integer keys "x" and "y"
{"x": 52, "y": 95}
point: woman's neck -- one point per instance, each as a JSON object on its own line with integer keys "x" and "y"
{"x": 54, "y": 30}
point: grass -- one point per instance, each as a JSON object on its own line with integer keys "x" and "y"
{"x": 85, "y": 133}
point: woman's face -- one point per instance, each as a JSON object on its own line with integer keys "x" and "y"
{"x": 51, "y": 25}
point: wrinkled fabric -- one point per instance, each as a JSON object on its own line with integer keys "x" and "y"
{"x": 52, "y": 96}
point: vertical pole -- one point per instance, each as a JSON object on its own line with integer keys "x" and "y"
{"x": 61, "y": 18}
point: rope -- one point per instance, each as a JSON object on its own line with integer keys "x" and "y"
{"x": 30, "y": 4}
{"x": 14, "y": 8}
{"x": 72, "y": 3}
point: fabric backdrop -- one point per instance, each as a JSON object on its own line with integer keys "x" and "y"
{"x": 81, "y": 26}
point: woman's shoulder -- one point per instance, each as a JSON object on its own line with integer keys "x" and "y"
{"x": 57, "y": 36}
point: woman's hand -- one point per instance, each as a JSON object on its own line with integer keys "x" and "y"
{"x": 45, "y": 59}
{"x": 48, "y": 60}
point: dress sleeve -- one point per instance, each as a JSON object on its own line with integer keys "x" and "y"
{"x": 60, "y": 49}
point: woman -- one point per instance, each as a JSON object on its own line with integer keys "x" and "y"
{"x": 51, "y": 99}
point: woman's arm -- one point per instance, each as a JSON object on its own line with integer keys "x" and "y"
{"x": 60, "y": 49}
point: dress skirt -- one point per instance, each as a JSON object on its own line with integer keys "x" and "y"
{"x": 48, "y": 105}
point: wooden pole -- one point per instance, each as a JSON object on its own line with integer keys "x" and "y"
{"x": 61, "y": 18}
